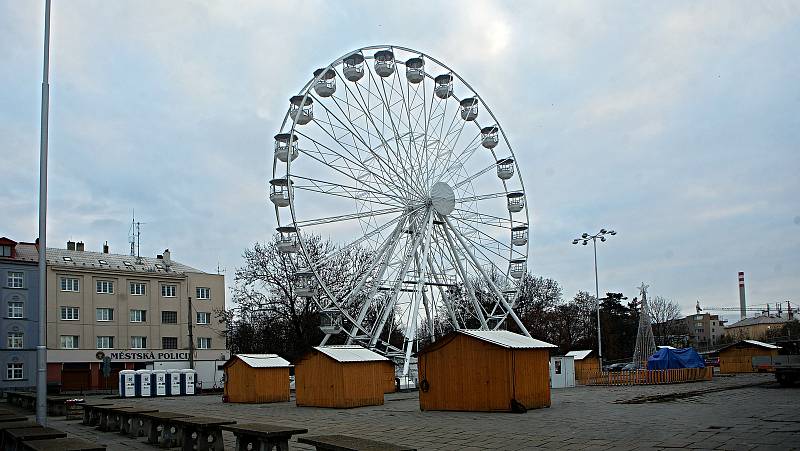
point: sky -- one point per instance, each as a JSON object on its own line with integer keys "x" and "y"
{"x": 677, "y": 124}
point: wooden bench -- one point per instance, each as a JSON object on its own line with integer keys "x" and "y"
{"x": 158, "y": 426}
{"x": 13, "y": 438}
{"x": 62, "y": 444}
{"x": 198, "y": 433}
{"x": 129, "y": 421}
{"x": 262, "y": 437}
{"x": 57, "y": 406}
{"x": 347, "y": 443}
{"x": 91, "y": 416}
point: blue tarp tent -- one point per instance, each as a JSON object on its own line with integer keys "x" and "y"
{"x": 668, "y": 359}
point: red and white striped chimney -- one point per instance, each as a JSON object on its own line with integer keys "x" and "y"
{"x": 742, "y": 302}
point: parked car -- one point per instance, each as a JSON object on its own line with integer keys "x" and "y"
{"x": 712, "y": 362}
{"x": 614, "y": 367}
{"x": 630, "y": 367}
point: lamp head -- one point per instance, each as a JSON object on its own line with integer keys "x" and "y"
{"x": 585, "y": 242}
{"x": 584, "y": 235}
{"x": 612, "y": 232}
{"x": 602, "y": 238}
{"x": 575, "y": 241}
{"x": 603, "y": 231}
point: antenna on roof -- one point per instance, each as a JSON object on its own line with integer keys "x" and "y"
{"x": 220, "y": 270}
{"x": 135, "y": 236}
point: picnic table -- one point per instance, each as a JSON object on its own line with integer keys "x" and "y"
{"x": 91, "y": 416}
{"x": 14, "y": 437}
{"x": 62, "y": 444}
{"x": 129, "y": 421}
{"x": 158, "y": 426}
{"x": 347, "y": 443}
{"x": 262, "y": 437}
{"x": 199, "y": 433}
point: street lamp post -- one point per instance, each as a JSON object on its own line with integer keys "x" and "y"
{"x": 584, "y": 239}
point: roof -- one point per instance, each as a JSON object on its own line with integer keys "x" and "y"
{"x": 23, "y": 252}
{"x": 579, "y": 355}
{"x": 262, "y": 360}
{"x": 507, "y": 339}
{"x": 131, "y": 263}
{"x": 759, "y": 344}
{"x": 758, "y": 320}
{"x": 350, "y": 353}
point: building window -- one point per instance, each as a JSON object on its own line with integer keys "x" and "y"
{"x": 203, "y": 293}
{"x": 14, "y": 371}
{"x": 15, "y": 309}
{"x": 138, "y": 316}
{"x": 169, "y": 317}
{"x": 168, "y": 291}
{"x": 138, "y": 288}
{"x": 5, "y": 251}
{"x": 15, "y": 340}
{"x": 105, "y": 342}
{"x": 70, "y": 284}
{"x": 169, "y": 342}
{"x": 203, "y": 343}
{"x": 69, "y": 342}
{"x": 70, "y": 313}
{"x": 203, "y": 318}
{"x": 105, "y": 287}
{"x": 105, "y": 314}
{"x": 698, "y": 317}
{"x": 15, "y": 279}
{"x": 138, "y": 342}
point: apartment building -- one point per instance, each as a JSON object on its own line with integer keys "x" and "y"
{"x": 19, "y": 319}
{"x": 705, "y": 329}
{"x": 132, "y": 310}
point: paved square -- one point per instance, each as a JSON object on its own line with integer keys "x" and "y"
{"x": 750, "y": 416}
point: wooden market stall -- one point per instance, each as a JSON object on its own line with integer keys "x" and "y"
{"x": 738, "y": 357}
{"x": 256, "y": 378}
{"x": 587, "y": 365}
{"x": 340, "y": 376}
{"x": 481, "y": 370}
{"x": 389, "y": 382}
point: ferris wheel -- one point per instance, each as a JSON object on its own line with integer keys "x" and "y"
{"x": 390, "y": 151}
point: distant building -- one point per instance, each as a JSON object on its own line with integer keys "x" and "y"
{"x": 705, "y": 329}
{"x": 19, "y": 322}
{"x": 756, "y": 328}
{"x": 133, "y": 310}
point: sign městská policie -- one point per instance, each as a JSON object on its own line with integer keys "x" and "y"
{"x": 144, "y": 355}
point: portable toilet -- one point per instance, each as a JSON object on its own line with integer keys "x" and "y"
{"x": 173, "y": 382}
{"x": 562, "y": 372}
{"x": 143, "y": 382}
{"x": 127, "y": 384}
{"x": 187, "y": 381}
{"x": 158, "y": 385}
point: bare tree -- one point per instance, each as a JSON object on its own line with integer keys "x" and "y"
{"x": 666, "y": 318}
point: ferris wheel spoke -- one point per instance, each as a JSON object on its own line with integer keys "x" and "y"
{"x": 385, "y": 165}
{"x": 453, "y": 164}
{"x": 348, "y": 217}
{"x": 499, "y": 243}
{"x": 473, "y": 176}
{"x": 490, "y": 219}
{"x": 406, "y": 105}
{"x": 464, "y": 277}
{"x": 317, "y": 155}
{"x": 335, "y": 188}
{"x": 481, "y": 197}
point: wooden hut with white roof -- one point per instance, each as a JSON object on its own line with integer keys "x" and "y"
{"x": 341, "y": 377}
{"x": 738, "y": 357}
{"x": 256, "y": 378}
{"x": 586, "y": 364}
{"x": 483, "y": 371}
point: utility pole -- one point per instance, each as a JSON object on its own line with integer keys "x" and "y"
{"x": 191, "y": 336}
{"x": 41, "y": 347}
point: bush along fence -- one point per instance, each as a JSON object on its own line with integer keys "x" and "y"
{"x": 646, "y": 377}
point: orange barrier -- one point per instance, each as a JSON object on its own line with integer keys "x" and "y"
{"x": 647, "y": 377}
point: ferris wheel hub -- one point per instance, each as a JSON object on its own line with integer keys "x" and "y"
{"x": 443, "y": 198}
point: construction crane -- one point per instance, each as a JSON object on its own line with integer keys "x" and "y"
{"x": 766, "y": 309}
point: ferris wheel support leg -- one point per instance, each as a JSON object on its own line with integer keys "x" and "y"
{"x": 488, "y": 280}
{"x": 376, "y": 332}
{"x": 463, "y": 272}
{"x": 378, "y": 258}
{"x": 325, "y": 340}
{"x": 425, "y": 301}
{"x": 442, "y": 293}
{"x": 411, "y": 332}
